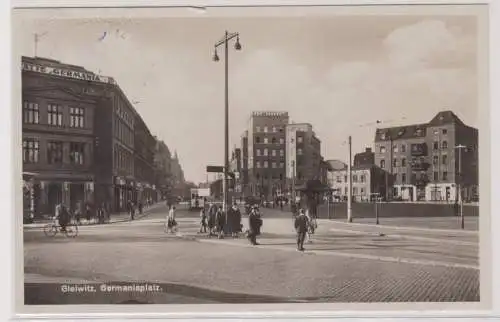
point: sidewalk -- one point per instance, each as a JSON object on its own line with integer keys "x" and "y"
{"x": 114, "y": 218}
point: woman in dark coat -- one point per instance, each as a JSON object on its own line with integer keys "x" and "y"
{"x": 255, "y": 223}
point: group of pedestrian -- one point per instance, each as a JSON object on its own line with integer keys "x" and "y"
{"x": 305, "y": 226}
{"x": 214, "y": 219}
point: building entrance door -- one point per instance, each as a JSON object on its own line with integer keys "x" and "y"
{"x": 54, "y": 196}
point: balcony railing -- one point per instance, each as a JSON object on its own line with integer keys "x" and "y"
{"x": 420, "y": 166}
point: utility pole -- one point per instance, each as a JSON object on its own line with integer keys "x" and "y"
{"x": 293, "y": 181}
{"x": 36, "y": 39}
{"x": 349, "y": 186}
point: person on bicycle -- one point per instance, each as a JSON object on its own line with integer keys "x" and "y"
{"x": 62, "y": 215}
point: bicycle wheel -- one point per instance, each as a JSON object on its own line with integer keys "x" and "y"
{"x": 50, "y": 230}
{"x": 71, "y": 230}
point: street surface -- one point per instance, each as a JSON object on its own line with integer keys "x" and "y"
{"x": 357, "y": 262}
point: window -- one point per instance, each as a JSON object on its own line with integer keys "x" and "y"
{"x": 395, "y": 162}
{"x": 257, "y": 151}
{"x": 338, "y": 179}
{"x": 282, "y": 141}
{"x": 76, "y": 152}
{"x": 354, "y": 191}
{"x": 299, "y": 151}
{"x": 266, "y": 165}
{"x": 436, "y": 176}
{"x": 282, "y": 153}
{"x": 345, "y": 178}
{"x": 300, "y": 139}
{"x": 282, "y": 164}
{"x": 395, "y": 148}
{"x": 54, "y": 152}
{"x": 273, "y": 153}
{"x": 274, "y": 165}
{"x": 265, "y": 152}
{"x": 266, "y": 140}
{"x": 403, "y": 178}
{"x": 257, "y": 139}
{"x": 403, "y": 162}
{"x": 345, "y": 190}
{"x": 354, "y": 178}
{"x": 54, "y": 115}
{"x": 257, "y": 164}
{"x": 362, "y": 191}
{"x": 362, "y": 178}
{"x": 445, "y": 131}
{"x": 403, "y": 148}
{"x": 273, "y": 140}
{"x": 76, "y": 117}
{"x": 382, "y": 149}
{"x": 31, "y": 113}
{"x": 435, "y": 160}
{"x": 265, "y": 129}
{"x": 257, "y": 176}
{"x": 445, "y": 159}
{"x": 445, "y": 175}
{"x": 257, "y": 129}
{"x": 436, "y": 145}
{"x": 31, "y": 151}
{"x": 444, "y": 145}
{"x": 274, "y": 129}
{"x": 382, "y": 164}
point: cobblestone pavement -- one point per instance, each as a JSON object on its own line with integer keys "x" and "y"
{"x": 141, "y": 251}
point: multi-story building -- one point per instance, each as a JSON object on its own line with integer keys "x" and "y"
{"x": 423, "y": 160}
{"x": 364, "y": 158}
{"x": 265, "y": 153}
{"x": 144, "y": 167}
{"x": 163, "y": 170}
{"x": 178, "y": 179}
{"x": 59, "y": 115}
{"x": 367, "y": 181}
{"x": 303, "y": 154}
{"x": 244, "y": 178}
{"x": 79, "y": 138}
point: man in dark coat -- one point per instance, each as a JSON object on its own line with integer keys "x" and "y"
{"x": 301, "y": 224}
{"x": 254, "y": 222}
{"x": 235, "y": 220}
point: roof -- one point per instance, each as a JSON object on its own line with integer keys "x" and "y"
{"x": 359, "y": 167}
{"x": 445, "y": 117}
{"x": 336, "y": 165}
{"x": 401, "y": 132}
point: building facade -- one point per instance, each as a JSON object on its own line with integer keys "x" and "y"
{"x": 163, "y": 170}
{"x": 364, "y": 158}
{"x": 368, "y": 181}
{"x": 423, "y": 160}
{"x": 265, "y": 154}
{"x": 83, "y": 141}
{"x": 58, "y": 122}
{"x": 303, "y": 154}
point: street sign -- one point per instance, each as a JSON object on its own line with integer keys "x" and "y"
{"x": 216, "y": 169}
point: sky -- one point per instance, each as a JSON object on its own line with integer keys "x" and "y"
{"x": 340, "y": 74}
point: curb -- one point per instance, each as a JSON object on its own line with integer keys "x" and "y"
{"x": 436, "y": 230}
{"x": 144, "y": 214}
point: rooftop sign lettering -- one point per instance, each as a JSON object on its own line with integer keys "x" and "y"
{"x": 61, "y": 72}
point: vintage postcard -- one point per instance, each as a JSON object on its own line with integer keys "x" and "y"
{"x": 322, "y": 158}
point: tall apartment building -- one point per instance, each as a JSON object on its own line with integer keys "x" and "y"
{"x": 422, "y": 160}
{"x": 303, "y": 154}
{"x": 264, "y": 154}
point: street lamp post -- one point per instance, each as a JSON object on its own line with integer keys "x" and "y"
{"x": 462, "y": 220}
{"x": 227, "y": 37}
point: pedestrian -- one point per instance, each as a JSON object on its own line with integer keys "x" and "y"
{"x": 301, "y": 224}
{"x": 88, "y": 213}
{"x": 140, "y": 207}
{"x": 131, "y": 207}
{"x": 203, "y": 223}
{"x": 170, "y": 223}
{"x": 281, "y": 204}
{"x": 220, "y": 220}
{"x": 78, "y": 212}
{"x": 211, "y": 219}
{"x": 254, "y": 223}
{"x": 235, "y": 220}
{"x": 310, "y": 225}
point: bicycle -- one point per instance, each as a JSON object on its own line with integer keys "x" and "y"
{"x": 50, "y": 230}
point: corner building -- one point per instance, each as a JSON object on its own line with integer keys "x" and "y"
{"x": 423, "y": 161}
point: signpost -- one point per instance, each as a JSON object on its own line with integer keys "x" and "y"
{"x": 376, "y": 199}
{"x": 215, "y": 169}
